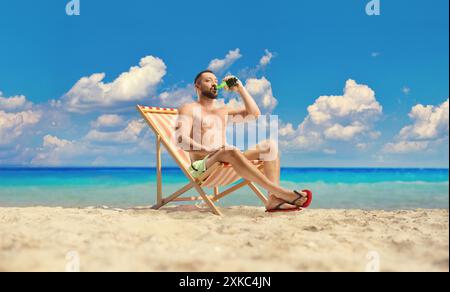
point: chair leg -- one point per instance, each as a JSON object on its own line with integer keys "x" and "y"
{"x": 159, "y": 198}
{"x": 230, "y": 190}
{"x": 258, "y": 193}
{"x": 173, "y": 196}
{"x": 207, "y": 200}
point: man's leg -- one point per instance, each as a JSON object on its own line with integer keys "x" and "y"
{"x": 269, "y": 150}
{"x": 265, "y": 150}
{"x": 250, "y": 172}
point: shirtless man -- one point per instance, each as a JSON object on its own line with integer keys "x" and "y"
{"x": 201, "y": 130}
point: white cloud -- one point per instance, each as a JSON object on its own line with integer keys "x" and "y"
{"x": 91, "y": 93}
{"x": 107, "y": 121}
{"x": 307, "y": 141}
{"x": 54, "y": 142}
{"x": 358, "y": 104}
{"x": 176, "y": 97}
{"x": 286, "y": 130}
{"x": 232, "y": 103}
{"x": 14, "y": 103}
{"x": 254, "y": 72}
{"x": 56, "y": 151}
{"x": 430, "y": 127}
{"x": 16, "y": 115}
{"x": 348, "y": 117}
{"x": 375, "y": 54}
{"x": 430, "y": 122}
{"x": 344, "y": 133}
{"x": 265, "y": 60}
{"x": 261, "y": 90}
{"x": 12, "y": 125}
{"x": 128, "y": 135}
{"x": 402, "y": 147}
{"x": 220, "y": 65}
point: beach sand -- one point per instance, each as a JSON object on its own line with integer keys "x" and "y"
{"x": 184, "y": 238}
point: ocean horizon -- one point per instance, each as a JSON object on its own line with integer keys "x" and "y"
{"x": 126, "y": 187}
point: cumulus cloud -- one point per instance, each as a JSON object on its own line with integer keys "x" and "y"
{"x": 128, "y": 135}
{"x": 255, "y": 72}
{"x": 344, "y": 133}
{"x": 232, "y": 103}
{"x": 221, "y": 65}
{"x": 286, "y": 130}
{"x": 12, "y": 125}
{"x": 91, "y": 93}
{"x": 14, "y": 103}
{"x": 403, "y": 147}
{"x": 303, "y": 140}
{"x": 358, "y": 104}
{"x": 265, "y": 60}
{"x": 176, "y": 97}
{"x": 103, "y": 149}
{"x": 108, "y": 121}
{"x": 430, "y": 127}
{"x": 261, "y": 90}
{"x": 54, "y": 142}
{"x": 56, "y": 151}
{"x": 430, "y": 122}
{"x": 347, "y": 118}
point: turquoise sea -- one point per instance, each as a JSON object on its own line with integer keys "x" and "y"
{"x": 365, "y": 188}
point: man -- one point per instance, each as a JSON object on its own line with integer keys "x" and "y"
{"x": 201, "y": 130}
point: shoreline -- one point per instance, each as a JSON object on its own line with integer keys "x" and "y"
{"x": 417, "y": 168}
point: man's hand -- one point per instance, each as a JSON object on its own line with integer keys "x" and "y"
{"x": 235, "y": 88}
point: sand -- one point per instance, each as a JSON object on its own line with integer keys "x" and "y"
{"x": 185, "y": 238}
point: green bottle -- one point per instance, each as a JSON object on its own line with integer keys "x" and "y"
{"x": 229, "y": 83}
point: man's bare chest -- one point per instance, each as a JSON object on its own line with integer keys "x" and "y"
{"x": 207, "y": 121}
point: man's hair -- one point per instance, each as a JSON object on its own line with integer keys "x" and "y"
{"x": 200, "y": 75}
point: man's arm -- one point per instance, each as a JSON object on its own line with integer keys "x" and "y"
{"x": 250, "y": 109}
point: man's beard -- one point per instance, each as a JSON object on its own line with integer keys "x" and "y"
{"x": 211, "y": 94}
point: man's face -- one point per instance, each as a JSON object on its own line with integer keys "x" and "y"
{"x": 207, "y": 84}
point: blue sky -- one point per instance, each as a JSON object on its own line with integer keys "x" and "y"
{"x": 317, "y": 46}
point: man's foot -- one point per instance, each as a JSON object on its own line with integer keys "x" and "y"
{"x": 303, "y": 199}
{"x": 296, "y": 198}
{"x": 275, "y": 202}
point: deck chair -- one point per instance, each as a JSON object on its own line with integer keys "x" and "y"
{"x": 162, "y": 122}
